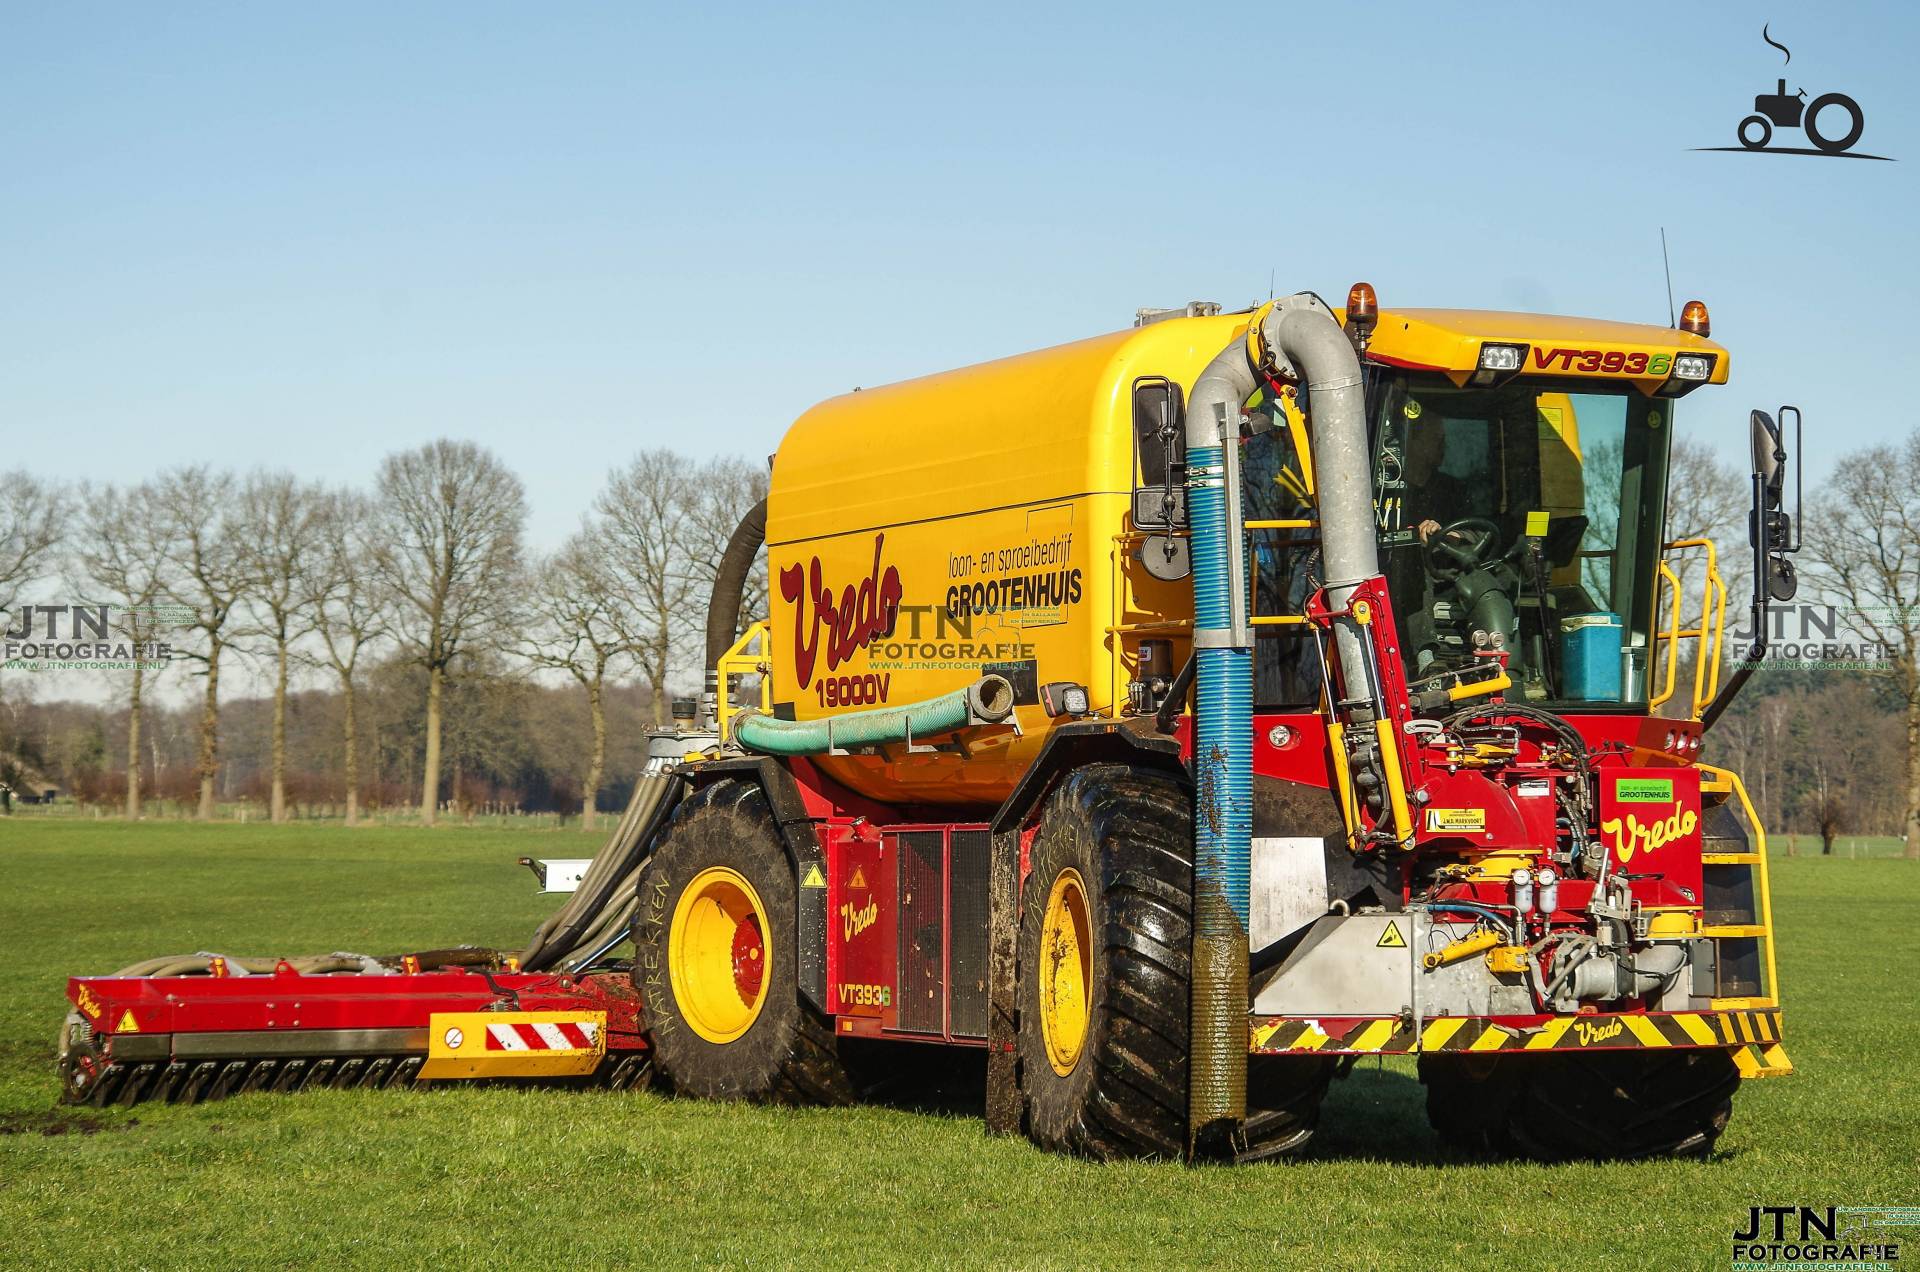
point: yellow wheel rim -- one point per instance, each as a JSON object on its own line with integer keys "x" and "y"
{"x": 1066, "y": 972}
{"x": 718, "y": 958}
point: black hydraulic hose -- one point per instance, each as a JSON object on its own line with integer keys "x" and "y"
{"x": 730, "y": 582}
{"x": 1564, "y": 731}
{"x": 1176, "y": 700}
{"x": 1540, "y": 591}
{"x": 590, "y": 890}
{"x": 654, "y": 797}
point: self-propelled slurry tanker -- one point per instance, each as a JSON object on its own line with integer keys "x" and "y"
{"x": 1179, "y": 716}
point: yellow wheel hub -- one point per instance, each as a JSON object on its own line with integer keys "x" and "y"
{"x": 718, "y": 958}
{"x": 1066, "y": 972}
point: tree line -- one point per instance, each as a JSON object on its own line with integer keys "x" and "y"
{"x": 431, "y": 638}
{"x": 418, "y": 587}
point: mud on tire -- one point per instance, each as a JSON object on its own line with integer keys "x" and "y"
{"x": 787, "y": 1054}
{"x": 1128, "y": 833}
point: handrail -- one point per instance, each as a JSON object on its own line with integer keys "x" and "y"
{"x": 1739, "y": 789}
{"x": 737, "y": 662}
{"x": 1281, "y": 523}
{"x": 1708, "y": 635}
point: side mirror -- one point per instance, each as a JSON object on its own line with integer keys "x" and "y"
{"x": 1771, "y": 529}
{"x": 1769, "y": 456}
{"x": 1782, "y": 583}
{"x": 1160, "y": 442}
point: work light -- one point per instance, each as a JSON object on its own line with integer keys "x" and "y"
{"x": 1498, "y": 361}
{"x": 1501, "y": 357}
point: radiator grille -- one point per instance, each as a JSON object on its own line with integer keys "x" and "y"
{"x": 921, "y": 994}
{"x": 971, "y": 850}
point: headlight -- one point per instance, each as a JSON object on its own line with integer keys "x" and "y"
{"x": 1501, "y": 357}
{"x": 1692, "y": 366}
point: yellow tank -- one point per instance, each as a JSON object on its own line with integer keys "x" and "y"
{"x": 985, "y": 509}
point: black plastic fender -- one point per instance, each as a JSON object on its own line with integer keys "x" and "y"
{"x": 1133, "y": 741}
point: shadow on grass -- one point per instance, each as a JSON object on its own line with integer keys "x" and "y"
{"x": 1375, "y": 1113}
{"x": 1378, "y": 1114}
{"x": 62, "y": 1121}
{"x": 912, "y": 1077}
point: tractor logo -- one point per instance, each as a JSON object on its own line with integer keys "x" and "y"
{"x": 1832, "y": 122}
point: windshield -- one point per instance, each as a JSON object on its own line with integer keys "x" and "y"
{"x": 1523, "y": 518}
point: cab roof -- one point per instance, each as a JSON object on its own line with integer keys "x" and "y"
{"x": 1449, "y": 340}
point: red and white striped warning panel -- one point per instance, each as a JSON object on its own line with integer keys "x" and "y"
{"x": 565, "y": 1035}
{"x": 514, "y": 1044}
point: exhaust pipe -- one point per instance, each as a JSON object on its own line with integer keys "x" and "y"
{"x": 1299, "y": 338}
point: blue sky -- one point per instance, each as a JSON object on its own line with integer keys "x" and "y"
{"x": 307, "y": 235}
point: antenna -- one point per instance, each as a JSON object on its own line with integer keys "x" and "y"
{"x": 1270, "y": 275}
{"x": 1665, "y": 265}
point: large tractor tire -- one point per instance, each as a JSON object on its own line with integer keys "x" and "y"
{"x": 1104, "y": 980}
{"x": 714, "y": 959}
{"x": 1603, "y": 1105}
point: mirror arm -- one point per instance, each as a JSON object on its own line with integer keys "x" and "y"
{"x": 1760, "y": 609}
{"x": 1761, "y": 532}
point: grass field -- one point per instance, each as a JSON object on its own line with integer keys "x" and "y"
{"x": 516, "y": 1178}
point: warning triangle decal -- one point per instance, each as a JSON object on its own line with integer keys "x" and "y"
{"x": 813, "y": 878}
{"x": 859, "y": 879}
{"x": 127, "y": 1024}
{"x": 1390, "y": 938}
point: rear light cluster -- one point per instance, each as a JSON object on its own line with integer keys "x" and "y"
{"x": 1681, "y": 743}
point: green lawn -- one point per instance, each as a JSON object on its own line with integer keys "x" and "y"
{"x": 513, "y": 1178}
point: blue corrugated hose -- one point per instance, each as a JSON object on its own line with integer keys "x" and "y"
{"x": 1223, "y": 700}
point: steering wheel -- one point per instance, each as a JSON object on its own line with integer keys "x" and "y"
{"x": 1460, "y": 546}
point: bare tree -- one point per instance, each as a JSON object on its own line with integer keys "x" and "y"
{"x": 1707, "y": 498}
{"x": 723, "y": 491}
{"x": 30, "y": 522}
{"x": 1842, "y": 748}
{"x": 646, "y": 511}
{"x": 450, "y": 519}
{"x": 348, "y": 608}
{"x": 206, "y": 572}
{"x": 577, "y": 629}
{"x": 1863, "y": 544}
{"x": 119, "y": 551}
{"x": 277, "y": 514}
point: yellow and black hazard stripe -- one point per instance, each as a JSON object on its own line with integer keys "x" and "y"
{"x": 1286, "y": 1035}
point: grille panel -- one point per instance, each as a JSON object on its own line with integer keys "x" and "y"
{"x": 970, "y": 852}
{"x": 921, "y": 991}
